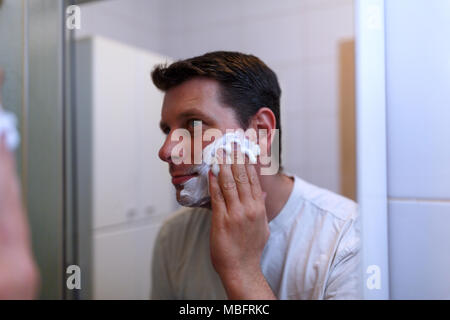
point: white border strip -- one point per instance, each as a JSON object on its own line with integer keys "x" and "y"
{"x": 371, "y": 145}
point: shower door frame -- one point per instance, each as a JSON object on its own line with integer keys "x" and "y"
{"x": 47, "y": 156}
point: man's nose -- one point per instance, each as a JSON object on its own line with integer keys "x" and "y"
{"x": 165, "y": 151}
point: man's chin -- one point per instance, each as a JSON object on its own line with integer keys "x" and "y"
{"x": 194, "y": 203}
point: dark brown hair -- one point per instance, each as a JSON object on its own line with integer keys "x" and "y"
{"x": 247, "y": 84}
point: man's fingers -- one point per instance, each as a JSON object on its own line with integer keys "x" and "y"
{"x": 241, "y": 178}
{"x": 218, "y": 205}
{"x": 6, "y": 156}
{"x": 2, "y": 143}
{"x": 229, "y": 188}
{"x": 255, "y": 185}
{"x": 2, "y": 77}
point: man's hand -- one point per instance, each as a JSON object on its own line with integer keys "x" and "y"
{"x": 18, "y": 273}
{"x": 239, "y": 231}
{"x": 2, "y": 79}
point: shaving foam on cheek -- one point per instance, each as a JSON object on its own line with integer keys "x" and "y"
{"x": 196, "y": 190}
{"x": 246, "y": 147}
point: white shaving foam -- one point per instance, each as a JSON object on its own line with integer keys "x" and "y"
{"x": 195, "y": 191}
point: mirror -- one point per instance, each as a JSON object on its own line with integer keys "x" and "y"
{"x": 123, "y": 184}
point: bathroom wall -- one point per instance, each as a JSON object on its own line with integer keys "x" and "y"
{"x": 403, "y": 116}
{"x": 299, "y": 39}
{"x": 418, "y": 147}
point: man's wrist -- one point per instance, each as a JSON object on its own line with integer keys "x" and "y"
{"x": 247, "y": 285}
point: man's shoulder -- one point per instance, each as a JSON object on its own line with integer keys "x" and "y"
{"x": 327, "y": 201}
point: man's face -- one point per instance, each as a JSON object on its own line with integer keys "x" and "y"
{"x": 194, "y": 100}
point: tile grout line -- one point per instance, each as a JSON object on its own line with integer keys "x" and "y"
{"x": 419, "y": 200}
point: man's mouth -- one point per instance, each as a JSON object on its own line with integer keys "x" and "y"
{"x": 179, "y": 179}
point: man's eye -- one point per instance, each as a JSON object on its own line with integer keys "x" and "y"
{"x": 192, "y": 123}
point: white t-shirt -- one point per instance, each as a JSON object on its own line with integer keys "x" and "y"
{"x": 313, "y": 251}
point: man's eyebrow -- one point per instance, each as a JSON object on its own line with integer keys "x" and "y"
{"x": 185, "y": 115}
{"x": 193, "y": 113}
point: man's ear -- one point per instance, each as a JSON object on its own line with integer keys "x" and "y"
{"x": 264, "y": 119}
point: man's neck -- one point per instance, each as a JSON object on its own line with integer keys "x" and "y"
{"x": 278, "y": 188}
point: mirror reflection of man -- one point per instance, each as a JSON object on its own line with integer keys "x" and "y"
{"x": 260, "y": 236}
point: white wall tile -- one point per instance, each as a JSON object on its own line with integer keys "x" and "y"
{"x": 322, "y": 152}
{"x": 137, "y": 23}
{"x": 293, "y": 139}
{"x": 295, "y": 159}
{"x": 195, "y": 15}
{"x": 325, "y": 146}
{"x": 325, "y": 28}
{"x": 267, "y": 8}
{"x": 418, "y": 100}
{"x": 276, "y": 38}
{"x": 193, "y": 43}
{"x": 419, "y": 250}
{"x": 324, "y": 4}
{"x": 291, "y": 76}
{"x": 321, "y": 91}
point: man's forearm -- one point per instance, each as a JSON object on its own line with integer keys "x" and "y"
{"x": 247, "y": 286}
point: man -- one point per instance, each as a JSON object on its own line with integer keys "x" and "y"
{"x": 258, "y": 236}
